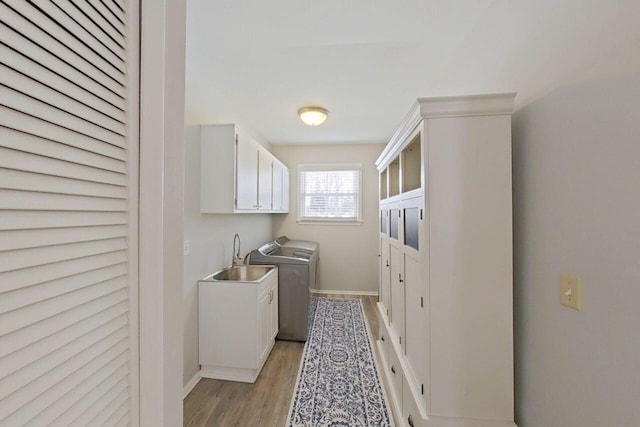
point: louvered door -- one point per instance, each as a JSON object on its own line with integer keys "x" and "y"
{"x": 68, "y": 212}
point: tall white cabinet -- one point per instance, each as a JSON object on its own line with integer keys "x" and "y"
{"x": 446, "y": 293}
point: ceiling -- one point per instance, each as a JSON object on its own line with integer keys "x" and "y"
{"x": 256, "y": 62}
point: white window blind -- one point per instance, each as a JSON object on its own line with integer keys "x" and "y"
{"x": 68, "y": 212}
{"x": 330, "y": 192}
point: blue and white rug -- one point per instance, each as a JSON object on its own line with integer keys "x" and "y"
{"x": 338, "y": 384}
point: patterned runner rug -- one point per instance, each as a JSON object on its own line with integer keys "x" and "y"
{"x": 338, "y": 384}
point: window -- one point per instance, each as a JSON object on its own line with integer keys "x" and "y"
{"x": 329, "y": 192}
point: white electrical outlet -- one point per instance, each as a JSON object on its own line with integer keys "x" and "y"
{"x": 186, "y": 249}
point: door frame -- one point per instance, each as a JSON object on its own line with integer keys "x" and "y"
{"x": 162, "y": 58}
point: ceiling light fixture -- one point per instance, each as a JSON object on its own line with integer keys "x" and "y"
{"x": 313, "y": 116}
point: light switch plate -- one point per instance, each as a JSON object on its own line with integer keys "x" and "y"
{"x": 570, "y": 292}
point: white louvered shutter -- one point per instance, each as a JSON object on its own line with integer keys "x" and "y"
{"x": 68, "y": 212}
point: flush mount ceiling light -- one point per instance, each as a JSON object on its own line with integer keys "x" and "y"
{"x": 313, "y": 116}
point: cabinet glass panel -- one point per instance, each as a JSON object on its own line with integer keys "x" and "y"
{"x": 394, "y": 223}
{"x": 383, "y": 184}
{"x": 384, "y": 220}
{"x": 411, "y": 161}
{"x": 394, "y": 178}
{"x": 411, "y": 227}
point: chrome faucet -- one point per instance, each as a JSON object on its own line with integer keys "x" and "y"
{"x": 237, "y": 257}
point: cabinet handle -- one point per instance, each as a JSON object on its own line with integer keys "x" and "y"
{"x": 410, "y": 420}
{"x": 382, "y": 338}
{"x": 387, "y": 263}
{"x": 400, "y": 278}
{"x": 393, "y": 369}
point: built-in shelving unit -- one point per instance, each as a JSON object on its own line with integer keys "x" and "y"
{"x": 445, "y": 331}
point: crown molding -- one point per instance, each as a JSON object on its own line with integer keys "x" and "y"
{"x": 463, "y": 106}
{"x": 441, "y": 107}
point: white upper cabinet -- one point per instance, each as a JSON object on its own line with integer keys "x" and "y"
{"x": 237, "y": 173}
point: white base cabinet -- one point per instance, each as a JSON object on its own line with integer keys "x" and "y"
{"x": 446, "y": 321}
{"x": 238, "y": 323}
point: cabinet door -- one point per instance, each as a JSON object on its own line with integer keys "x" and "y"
{"x": 264, "y": 324}
{"x": 265, "y": 175}
{"x": 384, "y": 221}
{"x": 274, "y": 312}
{"x": 285, "y": 189}
{"x": 385, "y": 282}
{"x": 397, "y": 292}
{"x": 394, "y": 223}
{"x": 413, "y": 229}
{"x": 416, "y": 343}
{"x": 246, "y": 173}
{"x": 277, "y": 187}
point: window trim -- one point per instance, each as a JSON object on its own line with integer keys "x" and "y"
{"x": 331, "y": 167}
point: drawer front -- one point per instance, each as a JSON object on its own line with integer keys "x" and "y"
{"x": 383, "y": 339}
{"x": 410, "y": 414}
{"x": 394, "y": 373}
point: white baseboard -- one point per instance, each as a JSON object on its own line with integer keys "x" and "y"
{"x": 191, "y": 384}
{"x": 324, "y": 292}
{"x": 243, "y": 375}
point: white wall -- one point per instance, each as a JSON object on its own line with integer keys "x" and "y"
{"x": 576, "y": 165}
{"x": 348, "y": 253}
{"x": 211, "y": 246}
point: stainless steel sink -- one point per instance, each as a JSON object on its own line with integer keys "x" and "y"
{"x": 241, "y": 273}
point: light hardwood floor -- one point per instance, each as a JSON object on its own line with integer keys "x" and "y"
{"x": 216, "y": 403}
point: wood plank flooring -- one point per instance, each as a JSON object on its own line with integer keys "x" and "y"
{"x": 216, "y": 403}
